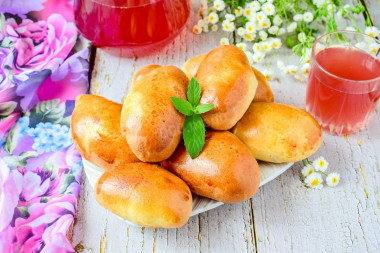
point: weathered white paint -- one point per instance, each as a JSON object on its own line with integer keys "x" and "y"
{"x": 284, "y": 216}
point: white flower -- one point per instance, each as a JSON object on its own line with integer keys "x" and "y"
{"x": 302, "y": 37}
{"x": 257, "y": 47}
{"x": 276, "y": 43}
{"x": 332, "y": 179}
{"x": 292, "y": 27}
{"x": 252, "y": 17}
{"x": 281, "y": 31}
{"x": 374, "y": 48}
{"x": 197, "y": 29}
{"x": 350, "y": 28}
{"x": 249, "y": 56}
{"x": 258, "y": 56}
{"x": 298, "y": 17}
{"x": 263, "y": 35}
{"x": 242, "y": 46}
{"x": 255, "y": 5}
{"x": 219, "y": 5}
{"x": 224, "y": 41}
{"x": 261, "y": 16}
{"x": 280, "y": 65}
{"x": 305, "y": 69}
{"x": 247, "y": 12}
{"x": 267, "y": 46}
{"x": 268, "y": 73}
{"x": 372, "y": 31}
{"x": 269, "y": 8}
{"x": 277, "y": 20}
{"x": 314, "y": 180}
{"x": 228, "y": 26}
{"x": 205, "y": 29}
{"x": 265, "y": 23}
{"x": 239, "y": 12}
{"x": 308, "y": 17}
{"x": 249, "y": 36}
{"x": 211, "y": 10}
{"x": 206, "y": 20}
{"x": 319, "y": 3}
{"x": 291, "y": 69}
{"x": 300, "y": 77}
{"x": 306, "y": 55}
{"x": 230, "y": 17}
{"x": 213, "y": 18}
{"x": 307, "y": 170}
{"x": 214, "y": 28}
{"x": 273, "y": 30}
{"x": 250, "y": 27}
{"x": 201, "y": 23}
{"x": 331, "y": 8}
{"x": 320, "y": 164}
{"x": 241, "y": 31}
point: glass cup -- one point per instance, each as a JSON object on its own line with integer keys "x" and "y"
{"x": 137, "y": 26}
{"x": 344, "y": 81}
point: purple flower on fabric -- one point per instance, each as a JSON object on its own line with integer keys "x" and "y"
{"x": 3, "y": 78}
{"x": 21, "y": 7}
{"x": 39, "y": 45}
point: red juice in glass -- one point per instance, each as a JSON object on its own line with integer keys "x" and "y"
{"x": 343, "y": 87}
{"x": 136, "y": 25}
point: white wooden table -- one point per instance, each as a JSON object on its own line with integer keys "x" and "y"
{"x": 284, "y": 215}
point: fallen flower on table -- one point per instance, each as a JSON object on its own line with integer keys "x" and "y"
{"x": 320, "y": 164}
{"x": 333, "y": 179}
{"x": 314, "y": 180}
{"x": 314, "y": 170}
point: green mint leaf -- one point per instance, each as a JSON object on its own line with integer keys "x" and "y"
{"x": 194, "y": 134}
{"x": 182, "y": 106}
{"x": 194, "y": 92}
{"x": 203, "y": 108}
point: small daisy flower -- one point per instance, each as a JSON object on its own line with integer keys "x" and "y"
{"x": 197, "y": 29}
{"x": 280, "y": 65}
{"x": 257, "y": 47}
{"x": 249, "y": 56}
{"x": 210, "y": 10}
{"x": 305, "y": 58}
{"x": 258, "y": 57}
{"x": 219, "y": 5}
{"x": 213, "y": 18}
{"x": 249, "y": 36}
{"x": 250, "y": 27}
{"x": 214, "y": 28}
{"x": 241, "y": 31}
{"x": 372, "y": 31}
{"x": 205, "y": 29}
{"x": 307, "y": 170}
{"x": 332, "y": 179}
{"x": 320, "y": 164}
{"x": 281, "y": 31}
{"x": 301, "y": 37}
{"x": 242, "y": 46}
{"x": 277, "y": 20}
{"x": 224, "y": 41}
{"x": 308, "y": 17}
{"x": 291, "y": 69}
{"x": 319, "y": 3}
{"x": 268, "y": 73}
{"x": 207, "y": 21}
{"x": 350, "y": 28}
{"x": 239, "y": 12}
{"x": 247, "y": 12}
{"x": 298, "y": 17}
{"x": 292, "y": 27}
{"x": 263, "y": 35}
{"x": 273, "y": 30}
{"x": 276, "y": 43}
{"x": 255, "y": 6}
{"x": 252, "y": 17}
{"x": 267, "y": 46}
{"x": 269, "y": 9}
{"x": 305, "y": 69}
{"x": 261, "y": 16}
{"x": 228, "y": 26}
{"x": 300, "y": 77}
{"x": 265, "y": 23}
{"x": 374, "y": 48}
{"x": 314, "y": 180}
{"x": 201, "y": 23}
{"x": 230, "y": 17}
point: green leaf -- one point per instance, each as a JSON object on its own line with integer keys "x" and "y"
{"x": 15, "y": 161}
{"x": 182, "y": 106}
{"x": 47, "y": 111}
{"x": 194, "y": 135}
{"x": 66, "y": 121}
{"x": 7, "y": 108}
{"x": 51, "y": 166}
{"x": 194, "y": 92}
{"x": 203, "y": 108}
{"x": 6, "y": 117}
{"x": 69, "y": 179}
{"x": 12, "y": 139}
{"x": 24, "y": 211}
{"x": 44, "y": 199}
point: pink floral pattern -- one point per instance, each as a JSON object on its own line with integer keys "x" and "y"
{"x": 41, "y": 73}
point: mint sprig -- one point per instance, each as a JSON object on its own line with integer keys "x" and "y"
{"x": 194, "y": 131}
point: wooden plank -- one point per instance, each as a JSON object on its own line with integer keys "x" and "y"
{"x": 373, "y": 8}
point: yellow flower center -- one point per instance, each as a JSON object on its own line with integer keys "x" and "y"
{"x": 321, "y": 163}
{"x": 315, "y": 182}
{"x": 309, "y": 172}
{"x": 268, "y": 9}
{"x": 371, "y": 34}
{"x": 293, "y": 71}
{"x": 260, "y": 17}
{"x": 248, "y": 36}
{"x": 374, "y": 50}
{"x": 211, "y": 18}
{"x": 264, "y": 24}
{"x": 334, "y": 180}
{"x": 275, "y": 44}
{"x": 247, "y": 12}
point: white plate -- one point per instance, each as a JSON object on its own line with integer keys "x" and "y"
{"x": 269, "y": 171}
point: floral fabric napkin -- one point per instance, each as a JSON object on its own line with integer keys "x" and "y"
{"x": 43, "y": 67}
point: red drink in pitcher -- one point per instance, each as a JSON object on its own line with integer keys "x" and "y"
{"x": 343, "y": 88}
{"x": 137, "y": 25}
